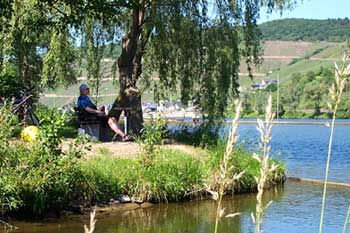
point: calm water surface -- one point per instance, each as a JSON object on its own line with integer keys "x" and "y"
{"x": 304, "y": 149}
{"x": 295, "y": 208}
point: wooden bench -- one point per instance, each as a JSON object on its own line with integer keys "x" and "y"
{"x": 89, "y": 124}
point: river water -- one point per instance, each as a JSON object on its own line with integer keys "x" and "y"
{"x": 295, "y": 208}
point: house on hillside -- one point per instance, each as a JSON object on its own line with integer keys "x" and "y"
{"x": 263, "y": 84}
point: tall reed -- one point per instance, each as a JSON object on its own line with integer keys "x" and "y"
{"x": 224, "y": 178}
{"x": 93, "y": 220}
{"x": 336, "y": 92}
{"x": 346, "y": 220}
{"x": 264, "y": 129}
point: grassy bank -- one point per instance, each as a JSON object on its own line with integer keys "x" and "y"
{"x": 173, "y": 176}
{"x": 40, "y": 177}
{"x": 36, "y": 185}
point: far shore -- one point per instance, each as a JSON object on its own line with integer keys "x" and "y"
{"x": 195, "y": 117}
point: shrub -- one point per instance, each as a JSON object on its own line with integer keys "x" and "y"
{"x": 70, "y": 126}
{"x": 151, "y": 137}
{"x": 36, "y": 176}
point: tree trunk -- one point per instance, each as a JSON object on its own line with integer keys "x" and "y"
{"x": 129, "y": 99}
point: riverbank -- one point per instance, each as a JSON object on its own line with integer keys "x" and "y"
{"x": 177, "y": 172}
{"x": 108, "y": 171}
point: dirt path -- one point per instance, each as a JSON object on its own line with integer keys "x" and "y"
{"x": 131, "y": 149}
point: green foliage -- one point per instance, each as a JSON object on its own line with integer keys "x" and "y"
{"x": 9, "y": 84}
{"x": 35, "y": 45}
{"x": 174, "y": 176}
{"x": 308, "y": 92}
{"x": 303, "y": 96}
{"x": 48, "y": 182}
{"x": 38, "y": 40}
{"x": 106, "y": 178}
{"x": 335, "y": 30}
{"x": 37, "y": 176}
{"x": 151, "y": 137}
{"x": 51, "y": 125}
{"x": 58, "y": 61}
{"x": 8, "y": 122}
{"x": 94, "y": 52}
{"x": 66, "y": 122}
{"x": 9, "y": 190}
{"x": 204, "y": 67}
{"x": 241, "y": 160}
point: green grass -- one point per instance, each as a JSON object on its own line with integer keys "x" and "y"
{"x": 173, "y": 176}
{"x": 333, "y": 51}
{"x": 302, "y": 67}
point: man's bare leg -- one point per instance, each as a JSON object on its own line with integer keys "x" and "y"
{"x": 112, "y": 122}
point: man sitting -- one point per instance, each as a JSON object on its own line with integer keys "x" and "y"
{"x": 84, "y": 103}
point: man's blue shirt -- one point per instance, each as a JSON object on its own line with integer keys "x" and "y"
{"x": 85, "y": 101}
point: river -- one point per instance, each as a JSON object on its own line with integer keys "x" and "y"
{"x": 295, "y": 208}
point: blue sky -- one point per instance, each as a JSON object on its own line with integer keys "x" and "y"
{"x": 312, "y": 9}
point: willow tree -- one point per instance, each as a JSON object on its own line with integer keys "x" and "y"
{"x": 193, "y": 46}
{"x": 37, "y": 39}
{"x": 36, "y": 49}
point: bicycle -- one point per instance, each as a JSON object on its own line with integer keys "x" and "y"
{"x": 23, "y": 108}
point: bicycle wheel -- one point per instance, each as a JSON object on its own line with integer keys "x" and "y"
{"x": 34, "y": 119}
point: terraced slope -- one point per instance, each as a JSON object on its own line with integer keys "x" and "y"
{"x": 283, "y": 58}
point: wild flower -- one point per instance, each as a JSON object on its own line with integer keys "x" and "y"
{"x": 93, "y": 220}
{"x": 264, "y": 128}
{"x": 224, "y": 179}
{"x": 336, "y": 92}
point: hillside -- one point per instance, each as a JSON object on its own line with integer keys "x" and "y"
{"x": 283, "y": 58}
{"x": 332, "y": 30}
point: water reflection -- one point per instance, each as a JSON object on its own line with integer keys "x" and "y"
{"x": 193, "y": 216}
{"x": 295, "y": 208}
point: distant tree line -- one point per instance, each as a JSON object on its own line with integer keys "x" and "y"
{"x": 333, "y": 30}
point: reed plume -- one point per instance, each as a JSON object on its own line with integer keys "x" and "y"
{"x": 336, "y": 92}
{"x": 224, "y": 178}
{"x": 264, "y": 129}
{"x": 93, "y": 220}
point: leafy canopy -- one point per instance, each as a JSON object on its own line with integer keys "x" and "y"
{"x": 191, "y": 46}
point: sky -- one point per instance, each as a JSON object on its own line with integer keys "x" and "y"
{"x": 312, "y": 9}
